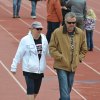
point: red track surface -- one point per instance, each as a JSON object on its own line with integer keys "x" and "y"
{"x": 87, "y": 79}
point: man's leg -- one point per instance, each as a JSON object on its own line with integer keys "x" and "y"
{"x": 70, "y": 80}
{"x": 33, "y": 12}
{"x": 14, "y": 8}
{"x": 18, "y": 8}
{"x": 63, "y": 84}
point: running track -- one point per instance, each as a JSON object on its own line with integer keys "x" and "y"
{"x": 87, "y": 78}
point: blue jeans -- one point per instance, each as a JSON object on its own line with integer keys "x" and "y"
{"x": 50, "y": 28}
{"x": 89, "y": 36}
{"x": 33, "y": 4}
{"x": 16, "y": 7}
{"x": 65, "y": 83}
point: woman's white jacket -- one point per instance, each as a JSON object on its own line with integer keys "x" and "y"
{"x": 27, "y": 52}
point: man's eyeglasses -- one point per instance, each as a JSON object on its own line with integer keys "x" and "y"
{"x": 71, "y": 22}
{"x": 38, "y": 29}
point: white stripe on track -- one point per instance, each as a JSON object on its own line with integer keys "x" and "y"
{"x": 91, "y": 68}
{"x": 5, "y": 67}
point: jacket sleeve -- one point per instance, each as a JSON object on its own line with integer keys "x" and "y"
{"x": 53, "y": 47}
{"x": 18, "y": 56}
{"x": 83, "y": 47}
{"x": 47, "y": 47}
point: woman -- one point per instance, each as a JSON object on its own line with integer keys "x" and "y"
{"x": 89, "y": 27}
{"x": 32, "y": 50}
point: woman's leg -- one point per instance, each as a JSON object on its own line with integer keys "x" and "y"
{"x": 88, "y": 39}
{"x": 91, "y": 40}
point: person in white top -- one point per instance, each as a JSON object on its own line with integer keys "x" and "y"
{"x": 32, "y": 51}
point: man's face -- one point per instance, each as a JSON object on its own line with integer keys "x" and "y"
{"x": 70, "y": 24}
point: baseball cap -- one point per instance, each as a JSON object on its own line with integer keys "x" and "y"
{"x": 36, "y": 24}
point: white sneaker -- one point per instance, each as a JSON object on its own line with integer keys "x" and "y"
{"x": 34, "y": 17}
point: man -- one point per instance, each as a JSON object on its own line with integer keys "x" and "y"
{"x": 79, "y": 7}
{"x": 32, "y": 51}
{"x": 68, "y": 48}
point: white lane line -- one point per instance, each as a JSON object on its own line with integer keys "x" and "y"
{"x": 5, "y": 67}
{"x": 51, "y": 70}
{"x": 79, "y": 94}
{"x": 91, "y": 68}
{"x": 9, "y": 33}
{"x": 6, "y": 9}
{"x": 97, "y": 32}
{"x": 97, "y": 48}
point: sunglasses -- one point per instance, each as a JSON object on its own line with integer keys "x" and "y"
{"x": 71, "y": 22}
{"x": 38, "y": 29}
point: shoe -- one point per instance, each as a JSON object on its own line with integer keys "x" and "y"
{"x": 34, "y": 17}
{"x": 14, "y": 16}
{"x": 90, "y": 49}
{"x": 17, "y": 16}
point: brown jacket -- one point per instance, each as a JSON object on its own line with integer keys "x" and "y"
{"x": 60, "y": 48}
{"x": 54, "y": 13}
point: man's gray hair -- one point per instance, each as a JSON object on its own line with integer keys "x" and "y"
{"x": 70, "y": 15}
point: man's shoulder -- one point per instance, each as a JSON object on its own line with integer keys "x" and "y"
{"x": 59, "y": 28}
{"x": 26, "y": 38}
{"x": 79, "y": 31}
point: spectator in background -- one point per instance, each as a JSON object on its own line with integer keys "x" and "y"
{"x": 65, "y": 9}
{"x": 16, "y": 8}
{"x": 32, "y": 51}
{"x": 54, "y": 16}
{"x": 79, "y": 7}
{"x": 68, "y": 48}
{"x": 89, "y": 27}
{"x": 33, "y": 5}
